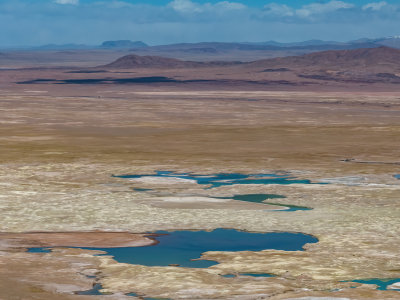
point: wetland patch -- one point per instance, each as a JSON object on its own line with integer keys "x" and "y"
{"x": 222, "y": 179}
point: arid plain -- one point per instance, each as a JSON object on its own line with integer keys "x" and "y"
{"x": 61, "y": 143}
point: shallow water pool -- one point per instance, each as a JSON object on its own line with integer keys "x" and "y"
{"x": 221, "y": 179}
{"x": 382, "y": 284}
{"x": 183, "y": 248}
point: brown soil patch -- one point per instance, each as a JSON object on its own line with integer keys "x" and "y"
{"x": 78, "y": 239}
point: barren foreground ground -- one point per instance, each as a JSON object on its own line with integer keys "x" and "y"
{"x": 58, "y": 153}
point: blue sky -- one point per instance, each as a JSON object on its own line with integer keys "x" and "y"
{"x": 37, "y": 22}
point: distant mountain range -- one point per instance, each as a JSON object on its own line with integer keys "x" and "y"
{"x": 120, "y": 44}
{"x": 123, "y": 44}
{"x": 215, "y": 47}
{"x": 331, "y": 60}
{"x": 364, "y": 65}
{"x": 381, "y": 59}
{"x": 393, "y": 41}
{"x": 137, "y": 61}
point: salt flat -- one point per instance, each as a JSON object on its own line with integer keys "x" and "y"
{"x": 59, "y": 153}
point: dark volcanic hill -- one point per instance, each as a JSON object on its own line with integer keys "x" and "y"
{"x": 358, "y": 59}
{"x": 136, "y": 61}
{"x": 382, "y": 57}
{"x": 366, "y": 65}
{"x": 363, "y": 65}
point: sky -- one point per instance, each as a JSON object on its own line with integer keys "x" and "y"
{"x": 39, "y": 22}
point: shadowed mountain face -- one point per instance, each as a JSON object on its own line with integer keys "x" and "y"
{"x": 366, "y": 65}
{"x": 136, "y": 61}
{"x": 341, "y": 68}
{"x": 358, "y": 58}
{"x": 365, "y": 59}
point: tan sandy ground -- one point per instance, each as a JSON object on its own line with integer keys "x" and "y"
{"x": 58, "y": 154}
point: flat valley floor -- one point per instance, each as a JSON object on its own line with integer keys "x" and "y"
{"x": 59, "y": 151}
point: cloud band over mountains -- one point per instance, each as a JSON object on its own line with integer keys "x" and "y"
{"x": 28, "y": 22}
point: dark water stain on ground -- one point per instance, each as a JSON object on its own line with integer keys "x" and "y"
{"x": 87, "y": 71}
{"x": 150, "y": 79}
{"x": 109, "y": 80}
{"x": 184, "y": 248}
{"x": 221, "y": 179}
{"x": 145, "y": 298}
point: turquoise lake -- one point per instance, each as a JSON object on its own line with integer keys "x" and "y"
{"x": 248, "y": 274}
{"x": 381, "y": 283}
{"x": 260, "y": 198}
{"x": 222, "y": 179}
{"x": 183, "y": 247}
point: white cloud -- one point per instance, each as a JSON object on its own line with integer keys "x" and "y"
{"x": 306, "y": 11}
{"x": 322, "y": 8}
{"x": 185, "y": 6}
{"x": 73, "y": 2}
{"x": 188, "y": 6}
{"x": 374, "y": 6}
{"x": 230, "y": 5}
{"x": 24, "y": 22}
{"x": 279, "y": 9}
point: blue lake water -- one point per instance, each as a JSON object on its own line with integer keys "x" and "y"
{"x": 397, "y": 176}
{"x": 39, "y": 250}
{"x": 222, "y": 179}
{"x": 248, "y": 274}
{"x": 381, "y": 283}
{"x": 94, "y": 291}
{"x": 142, "y": 190}
{"x": 256, "y": 198}
{"x": 260, "y": 198}
{"x": 182, "y": 247}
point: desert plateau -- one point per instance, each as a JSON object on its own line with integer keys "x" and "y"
{"x": 200, "y": 170}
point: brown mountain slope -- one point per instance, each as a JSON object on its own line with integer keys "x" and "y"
{"x": 362, "y": 66}
{"x": 136, "y": 61}
{"x": 365, "y": 58}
